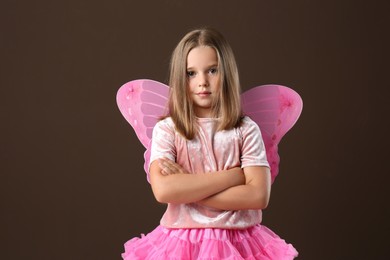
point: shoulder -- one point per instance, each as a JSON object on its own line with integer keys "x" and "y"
{"x": 248, "y": 127}
{"x": 247, "y": 122}
{"x": 165, "y": 122}
{"x": 165, "y": 125}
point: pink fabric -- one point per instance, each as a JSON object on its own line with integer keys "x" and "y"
{"x": 254, "y": 243}
{"x": 209, "y": 151}
{"x": 219, "y": 235}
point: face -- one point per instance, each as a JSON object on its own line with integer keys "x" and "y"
{"x": 203, "y": 79}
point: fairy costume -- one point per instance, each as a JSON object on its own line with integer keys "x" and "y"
{"x": 192, "y": 231}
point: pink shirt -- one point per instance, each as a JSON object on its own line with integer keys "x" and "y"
{"x": 209, "y": 151}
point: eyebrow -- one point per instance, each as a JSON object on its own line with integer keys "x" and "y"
{"x": 208, "y": 67}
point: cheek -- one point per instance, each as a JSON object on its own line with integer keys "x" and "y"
{"x": 218, "y": 83}
{"x": 191, "y": 84}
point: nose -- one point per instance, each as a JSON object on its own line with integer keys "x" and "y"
{"x": 203, "y": 80}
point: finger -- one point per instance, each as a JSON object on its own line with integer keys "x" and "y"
{"x": 170, "y": 167}
{"x": 174, "y": 167}
{"x": 166, "y": 168}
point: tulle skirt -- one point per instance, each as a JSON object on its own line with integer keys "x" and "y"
{"x": 254, "y": 243}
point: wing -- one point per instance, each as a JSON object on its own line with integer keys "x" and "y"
{"x": 275, "y": 109}
{"x": 142, "y": 103}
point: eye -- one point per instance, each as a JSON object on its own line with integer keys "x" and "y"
{"x": 190, "y": 74}
{"x": 213, "y": 71}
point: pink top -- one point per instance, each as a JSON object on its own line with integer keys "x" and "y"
{"x": 209, "y": 151}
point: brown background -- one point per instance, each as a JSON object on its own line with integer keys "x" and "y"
{"x": 72, "y": 180}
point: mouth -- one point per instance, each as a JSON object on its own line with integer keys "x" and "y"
{"x": 204, "y": 93}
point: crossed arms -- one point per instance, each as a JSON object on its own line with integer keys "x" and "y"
{"x": 233, "y": 189}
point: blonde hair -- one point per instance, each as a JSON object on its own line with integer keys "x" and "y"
{"x": 227, "y": 107}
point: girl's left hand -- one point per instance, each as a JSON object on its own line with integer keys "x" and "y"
{"x": 169, "y": 167}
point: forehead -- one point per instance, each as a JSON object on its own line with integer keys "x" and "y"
{"x": 202, "y": 56}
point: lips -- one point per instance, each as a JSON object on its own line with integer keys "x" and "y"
{"x": 204, "y": 93}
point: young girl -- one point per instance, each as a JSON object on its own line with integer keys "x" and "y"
{"x": 208, "y": 164}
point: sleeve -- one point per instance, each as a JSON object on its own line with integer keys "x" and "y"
{"x": 163, "y": 142}
{"x": 253, "y": 149}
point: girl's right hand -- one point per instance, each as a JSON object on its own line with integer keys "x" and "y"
{"x": 239, "y": 175}
{"x": 237, "y": 170}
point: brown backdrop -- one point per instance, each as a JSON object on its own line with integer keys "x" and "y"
{"x": 72, "y": 180}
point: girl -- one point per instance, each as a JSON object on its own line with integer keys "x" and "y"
{"x": 208, "y": 164}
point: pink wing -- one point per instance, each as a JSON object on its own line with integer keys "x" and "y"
{"x": 275, "y": 109}
{"x": 142, "y": 102}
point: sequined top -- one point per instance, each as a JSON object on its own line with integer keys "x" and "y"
{"x": 209, "y": 151}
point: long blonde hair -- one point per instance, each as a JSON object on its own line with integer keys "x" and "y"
{"x": 227, "y": 106}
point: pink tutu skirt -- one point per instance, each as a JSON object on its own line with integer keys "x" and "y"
{"x": 256, "y": 242}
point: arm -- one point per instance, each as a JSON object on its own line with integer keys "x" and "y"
{"x": 254, "y": 194}
{"x": 171, "y": 184}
